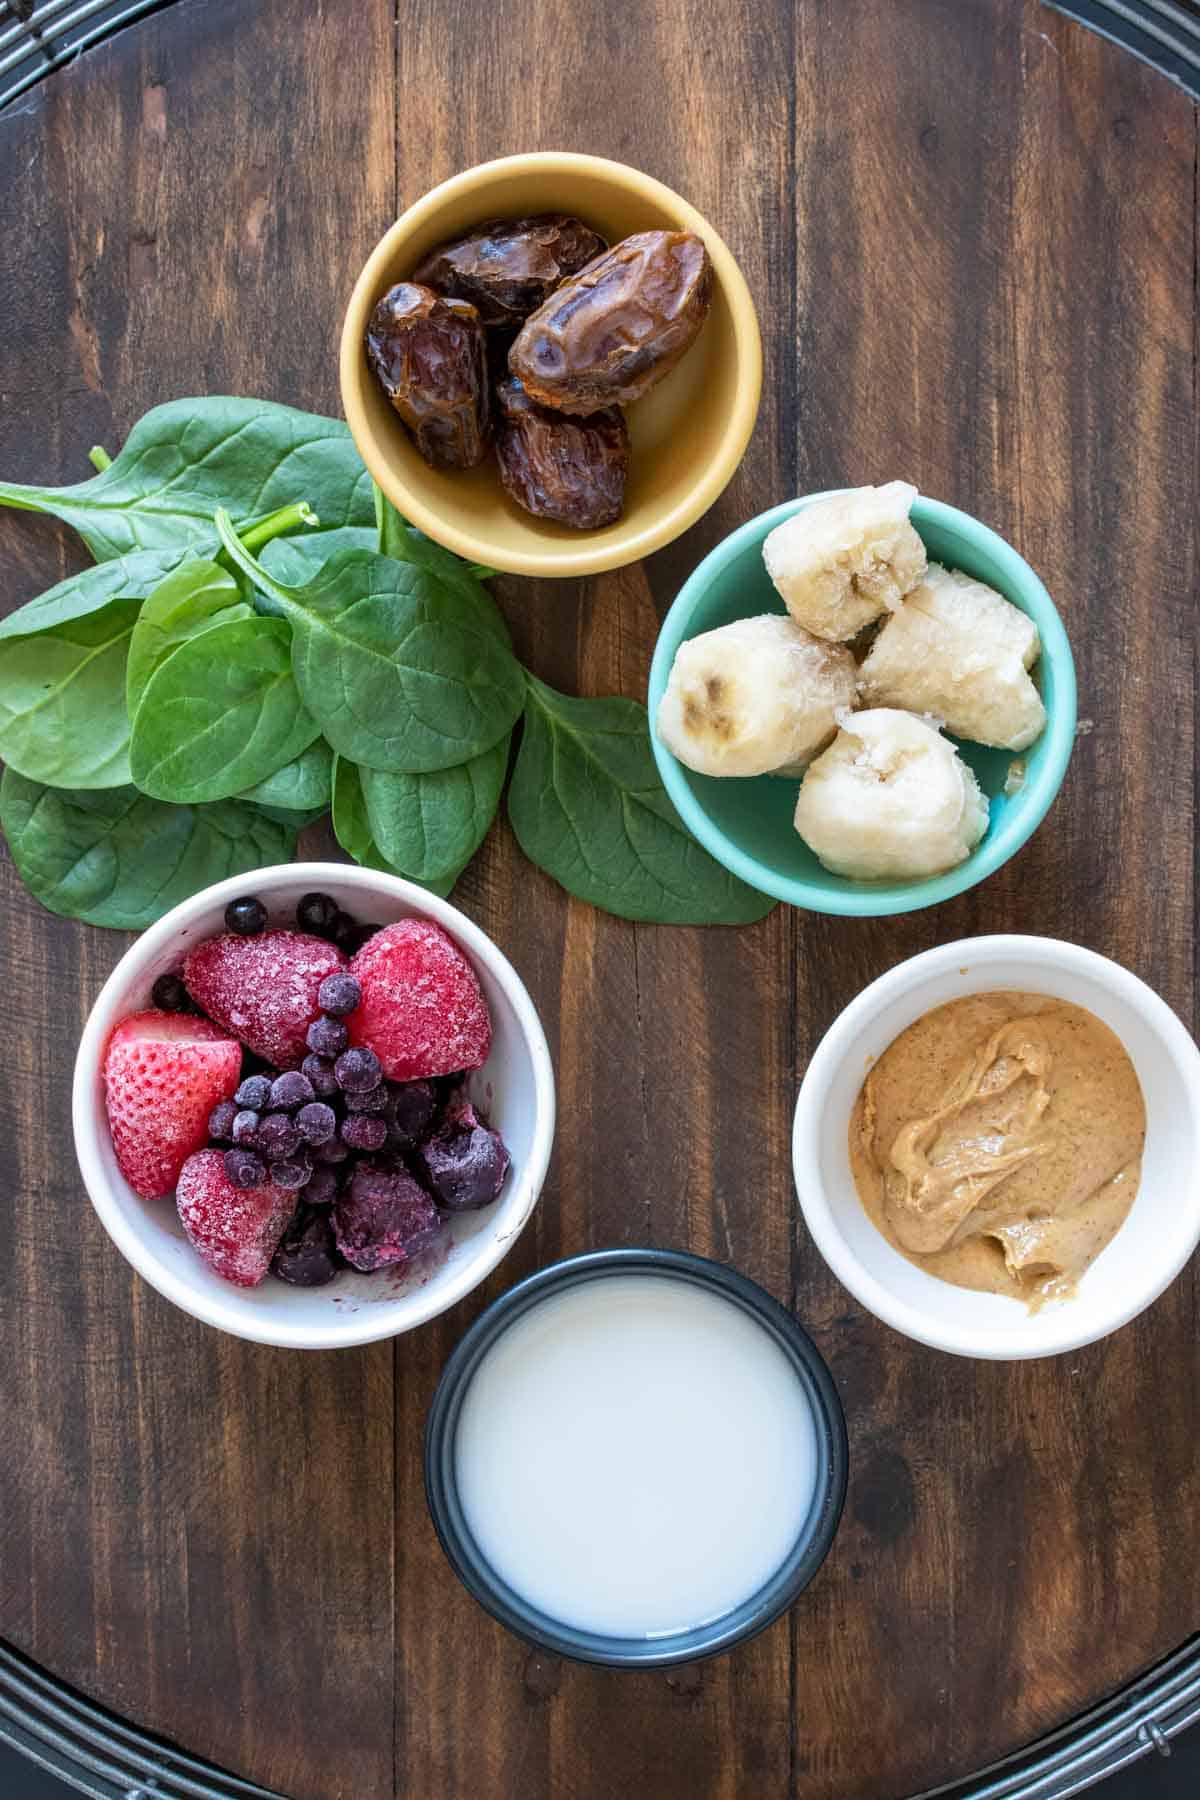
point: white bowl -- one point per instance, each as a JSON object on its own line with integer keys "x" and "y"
{"x": 515, "y": 1087}
{"x": 1150, "y": 1248}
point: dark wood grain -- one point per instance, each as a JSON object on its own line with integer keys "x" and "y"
{"x": 971, "y": 230}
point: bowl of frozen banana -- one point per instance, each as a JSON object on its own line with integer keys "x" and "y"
{"x": 863, "y": 701}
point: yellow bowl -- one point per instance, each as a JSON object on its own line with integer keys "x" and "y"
{"x": 687, "y": 435}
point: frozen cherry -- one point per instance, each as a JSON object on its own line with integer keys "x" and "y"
{"x": 247, "y": 916}
{"x": 357, "y": 1070}
{"x": 365, "y": 1131}
{"x": 316, "y": 913}
{"x": 316, "y": 1122}
{"x": 321, "y": 1187}
{"x": 320, "y": 1072}
{"x": 292, "y": 1172}
{"x": 464, "y": 1162}
{"x": 244, "y": 1169}
{"x": 339, "y": 994}
{"x": 290, "y": 1090}
{"x": 327, "y": 1037}
{"x": 244, "y": 1129}
{"x": 220, "y": 1121}
{"x": 170, "y": 995}
{"x": 383, "y": 1216}
{"x": 306, "y": 1256}
{"x": 343, "y": 931}
{"x": 411, "y": 1108}
{"x": 354, "y": 940}
{"x": 374, "y": 1100}
{"x": 278, "y": 1137}
{"x": 332, "y": 1152}
{"x": 254, "y": 1092}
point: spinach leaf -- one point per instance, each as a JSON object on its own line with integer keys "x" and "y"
{"x": 304, "y": 785}
{"x": 120, "y": 859}
{"x": 62, "y": 700}
{"x": 186, "y": 458}
{"x": 404, "y": 543}
{"x": 427, "y": 825}
{"x": 587, "y": 806}
{"x": 125, "y": 578}
{"x": 390, "y": 663}
{"x": 222, "y": 713}
{"x": 352, "y": 828}
{"x": 295, "y": 560}
{"x": 195, "y": 597}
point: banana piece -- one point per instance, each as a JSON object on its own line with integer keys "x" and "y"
{"x": 758, "y": 696}
{"x": 890, "y": 798}
{"x": 841, "y": 562}
{"x": 961, "y": 651}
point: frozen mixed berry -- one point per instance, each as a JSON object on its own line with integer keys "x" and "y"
{"x": 234, "y": 1229}
{"x": 374, "y": 1100}
{"x": 339, "y": 994}
{"x": 164, "y": 1073}
{"x": 290, "y": 1090}
{"x": 383, "y": 1216}
{"x": 293, "y": 1172}
{"x": 220, "y": 1121}
{"x": 422, "y": 1010}
{"x": 254, "y": 1092}
{"x": 321, "y": 1187}
{"x": 357, "y": 1070}
{"x": 316, "y": 1122}
{"x": 364, "y": 1131}
{"x": 352, "y": 941}
{"x": 343, "y": 932}
{"x": 411, "y": 1108}
{"x": 464, "y": 1162}
{"x": 307, "y": 1255}
{"x": 278, "y": 1136}
{"x": 245, "y": 1128}
{"x": 317, "y": 912}
{"x": 246, "y": 916}
{"x": 319, "y": 1070}
{"x": 327, "y": 1037}
{"x": 244, "y": 1168}
{"x": 332, "y": 1152}
{"x": 170, "y": 995}
{"x": 262, "y": 989}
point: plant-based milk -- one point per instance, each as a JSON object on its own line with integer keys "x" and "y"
{"x": 636, "y": 1456}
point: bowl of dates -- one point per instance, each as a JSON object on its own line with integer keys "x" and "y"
{"x": 551, "y": 364}
{"x": 313, "y": 1106}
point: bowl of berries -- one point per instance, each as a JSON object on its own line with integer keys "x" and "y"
{"x": 314, "y": 1107}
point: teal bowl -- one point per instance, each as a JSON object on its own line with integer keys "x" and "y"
{"x": 746, "y": 822}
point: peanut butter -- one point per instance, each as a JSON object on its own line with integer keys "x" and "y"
{"x": 997, "y": 1143}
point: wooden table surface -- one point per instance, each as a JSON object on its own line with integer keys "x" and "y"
{"x": 971, "y": 231}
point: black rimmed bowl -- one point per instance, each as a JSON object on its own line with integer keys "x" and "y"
{"x": 750, "y": 1616}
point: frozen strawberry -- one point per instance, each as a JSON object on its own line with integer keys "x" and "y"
{"x": 236, "y": 1230}
{"x": 164, "y": 1073}
{"x": 422, "y": 1010}
{"x": 263, "y": 989}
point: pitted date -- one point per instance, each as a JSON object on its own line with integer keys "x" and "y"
{"x": 558, "y": 467}
{"x": 610, "y": 332}
{"x": 429, "y": 356}
{"x": 508, "y": 267}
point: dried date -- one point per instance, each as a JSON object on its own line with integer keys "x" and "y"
{"x": 507, "y": 268}
{"x": 428, "y": 354}
{"x": 558, "y": 467}
{"x": 611, "y": 331}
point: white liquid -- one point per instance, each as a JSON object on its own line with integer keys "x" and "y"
{"x": 636, "y": 1456}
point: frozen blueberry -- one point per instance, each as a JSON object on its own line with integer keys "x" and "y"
{"x": 220, "y": 1121}
{"x": 170, "y": 995}
{"x": 339, "y": 994}
{"x": 464, "y": 1162}
{"x": 365, "y": 1131}
{"x": 244, "y": 1129}
{"x": 316, "y": 913}
{"x": 254, "y": 1092}
{"x": 354, "y": 940}
{"x": 246, "y": 915}
{"x": 357, "y": 1070}
{"x": 306, "y": 1256}
{"x": 278, "y": 1137}
{"x": 322, "y": 1186}
{"x": 411, "y": 1108}
{"x": 292, "y": 1171}
{"x": 383, "y": 1216}
{"x": 290, "y": 1090}
{"x": 244, "y": 1169}
{"x": 316, "y": 1122}
{"x": 320, "y": 1072}
{"x": 343, "y": 932}
{"x": 374, "y": 1100}
{"x": 332, "y": 1152}
{"x": 327, "y": 1037}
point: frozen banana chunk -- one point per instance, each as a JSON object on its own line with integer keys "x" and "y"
{"x": 755, "y": 697}
{"x": 841, "y": 562}
{"x": 890, "y": 799}
{"x": 958, "y": 649}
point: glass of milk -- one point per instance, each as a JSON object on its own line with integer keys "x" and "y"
{"x": 636, "y": 1457}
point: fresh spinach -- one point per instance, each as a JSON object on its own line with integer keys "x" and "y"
{"x": 125, "y": 578}
{"x": 120, "y": 859}
{"x": 304, "y": 785}
{"x": 352, "y": 828}
{"x": 587, "y": 806}
{"x": 405, "y": 544}
{"x": 393, "y": 667}
{"x": 183, "y": 460}
{"x": 295, "y": 560}
{"x": 197, "y": 596}
{"x": 428, "y": 825}
{"x": 220, "y": 714}
{"x": 62, "y": 700}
